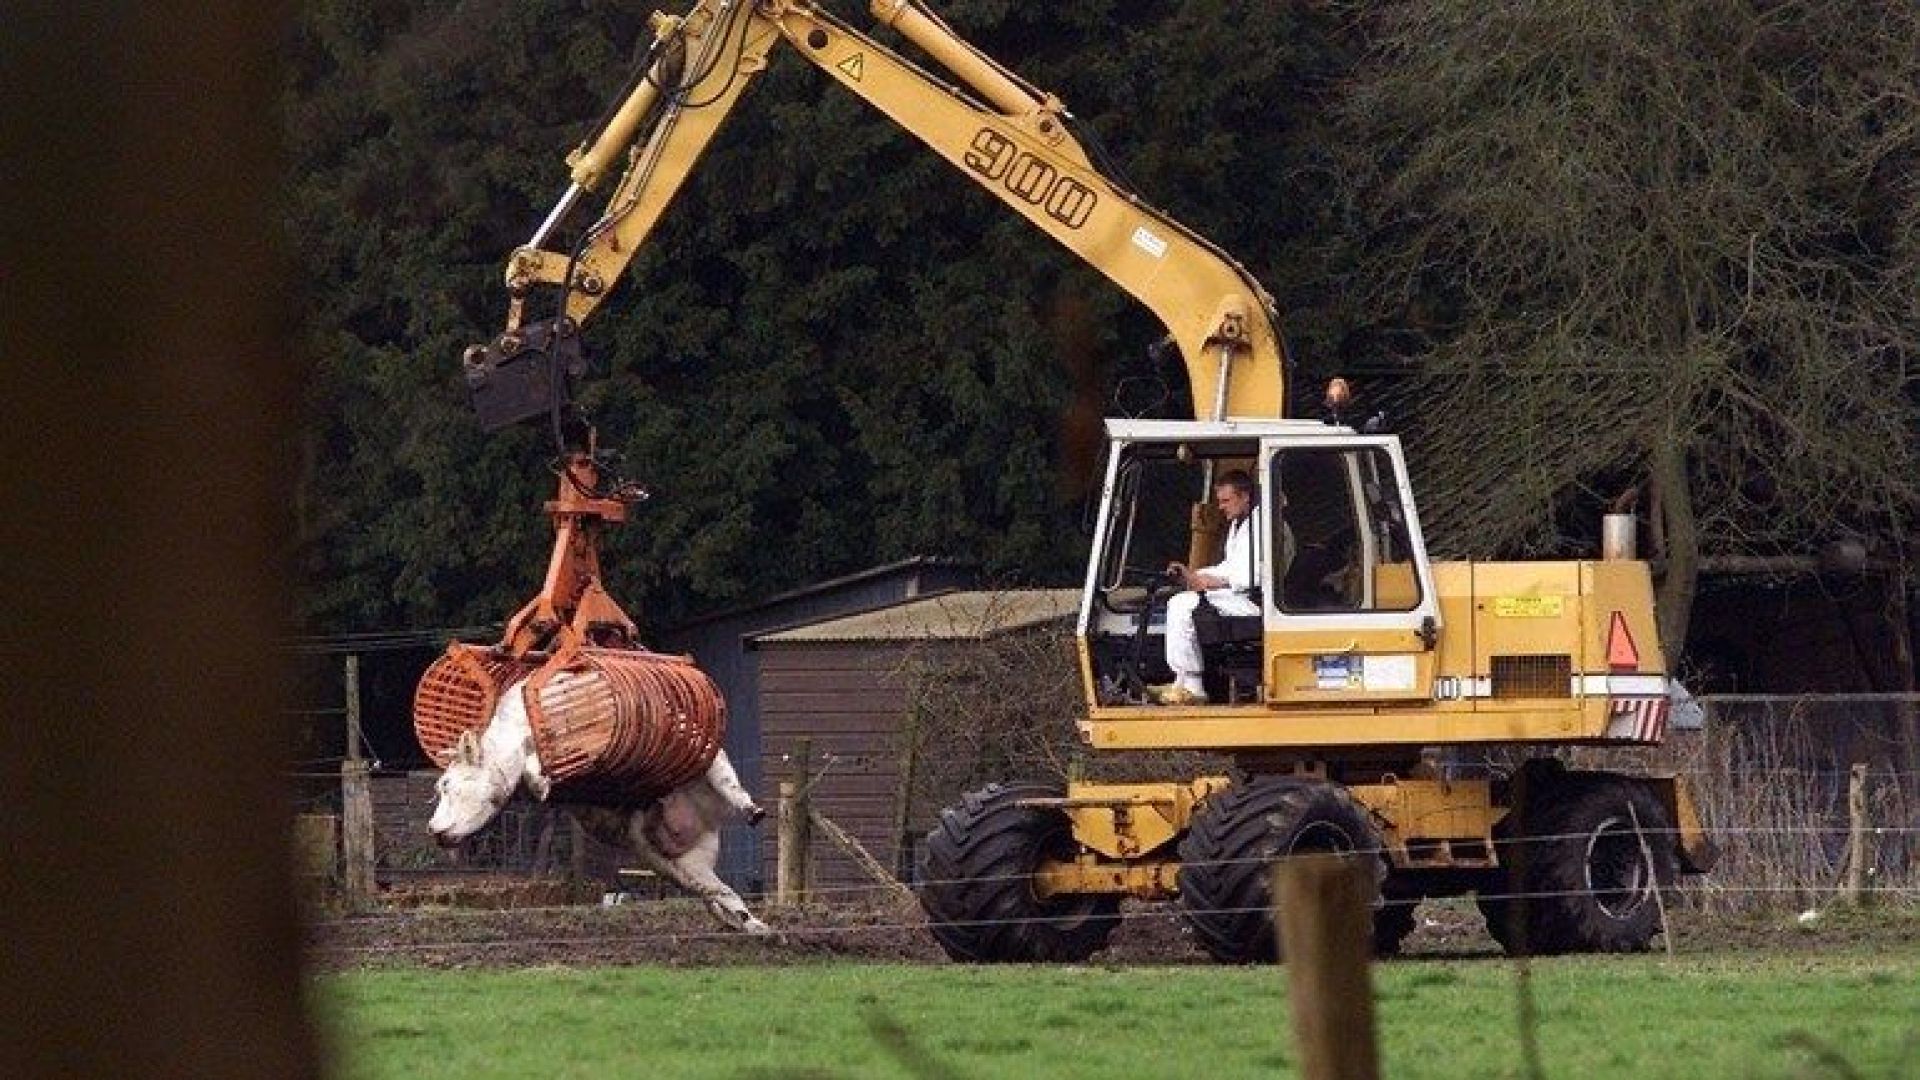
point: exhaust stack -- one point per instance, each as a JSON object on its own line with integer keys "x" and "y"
{"x": 1617, "y": 537}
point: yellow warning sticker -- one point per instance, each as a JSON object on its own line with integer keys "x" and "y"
{"x": 854, "y": 66}
{"x": 1529, "y": 607}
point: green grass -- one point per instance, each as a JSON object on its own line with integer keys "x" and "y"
{"x": 1639, "y": 1017}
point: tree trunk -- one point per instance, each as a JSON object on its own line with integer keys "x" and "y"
{"x": 1906, "y": 716}
{"x": 1674, "y": 598}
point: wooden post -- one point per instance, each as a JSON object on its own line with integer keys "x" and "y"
{"x": 1857, "y": 858}
{"x": 1326, "y": 930}
{"x": 354, "y": 749}
{"x": 356, "y": 804}
{"x": 791, "y": 852}
{"x": 796, "y": 812}
{"x": 856, "y": 851}
{"x": 356, "y": 834}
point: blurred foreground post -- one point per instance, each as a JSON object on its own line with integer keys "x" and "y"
{"x": 1325, "y": 909}
{"x": 148, "y": 881}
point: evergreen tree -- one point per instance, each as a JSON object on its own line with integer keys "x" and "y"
{"x": 835, "y": 350}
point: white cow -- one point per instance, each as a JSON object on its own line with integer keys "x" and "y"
{"x": 677, "y": 835}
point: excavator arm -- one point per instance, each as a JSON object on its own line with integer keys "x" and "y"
{"x": 1013, "y": 140}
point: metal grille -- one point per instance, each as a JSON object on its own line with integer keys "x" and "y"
{"x": 1533, "y": 676}
{"x": 622, "y": 726}
{"x": 457, "y": 695}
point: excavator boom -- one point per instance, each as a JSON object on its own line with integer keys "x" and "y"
{"x": 1014, "y": 141}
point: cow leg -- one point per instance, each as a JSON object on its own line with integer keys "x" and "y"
{"x": 693, "y": 871}
{"x": 722, "y": 778}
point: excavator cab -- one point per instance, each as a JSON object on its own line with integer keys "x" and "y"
{"x": 1348, "y": 612}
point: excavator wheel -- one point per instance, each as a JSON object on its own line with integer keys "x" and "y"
{"x": 1585, "y": 881}
{"x": 1228, "y": 855}
{"x": 976, "y": 882}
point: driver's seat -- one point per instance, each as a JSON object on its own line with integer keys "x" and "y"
{"x": 1230, "y": 645}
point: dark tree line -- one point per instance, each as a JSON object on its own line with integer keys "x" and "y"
{"x": 837, "y": 352}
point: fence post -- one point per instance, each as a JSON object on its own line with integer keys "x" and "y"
{"x": 789, "y": 868}
{"x": 356, "y": 804}
{"x": 351, "y": 691}
{"x": 1857, "y": 827}
{"x": 796, "y": 813}
{"x": 856, "y": 851}
{"x": 356, "y": 834}
{"x": 1326, "y": 931}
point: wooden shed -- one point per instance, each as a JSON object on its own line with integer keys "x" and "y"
{"x": 841, "y": 691}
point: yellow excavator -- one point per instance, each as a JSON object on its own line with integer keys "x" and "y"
{"x": 1364, "y": 668}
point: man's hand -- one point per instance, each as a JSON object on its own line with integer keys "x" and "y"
{"x": 1193, "y": 581}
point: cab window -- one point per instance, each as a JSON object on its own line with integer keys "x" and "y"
{"x": 1351, "y": 550}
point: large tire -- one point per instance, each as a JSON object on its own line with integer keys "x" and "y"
{"x": 1228, "y": 855}
{"x": 1583, "y": 883}
{"x": 976, "y": 882}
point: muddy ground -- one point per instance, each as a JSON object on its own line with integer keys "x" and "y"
{"x": 676, "y": 932}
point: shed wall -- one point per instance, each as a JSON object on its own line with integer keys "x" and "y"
{"x": 849, "y": 701}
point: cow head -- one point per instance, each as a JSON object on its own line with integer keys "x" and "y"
{"x": 471, "y": 791}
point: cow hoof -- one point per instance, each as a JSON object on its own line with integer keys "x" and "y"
{"x": 755, "y": 928}
{"x": 755, "y": 815}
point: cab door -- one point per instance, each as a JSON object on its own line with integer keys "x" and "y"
{"x": 1350, "y": 616}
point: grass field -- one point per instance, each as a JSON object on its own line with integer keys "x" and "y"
{"x": 1855, "y": 1015}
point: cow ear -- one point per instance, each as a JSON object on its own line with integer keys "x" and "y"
{"x": 467, "y": 750}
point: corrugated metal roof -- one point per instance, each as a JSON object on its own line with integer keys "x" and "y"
{"x": 956, "y": 616}
{"x": 909, "y": 568}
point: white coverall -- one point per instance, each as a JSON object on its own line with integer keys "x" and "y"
{"x": 1238, "y": 566}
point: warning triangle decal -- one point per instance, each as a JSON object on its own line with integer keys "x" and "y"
{"x": 855, "y": 66}
{"x": 1622, "y": 654}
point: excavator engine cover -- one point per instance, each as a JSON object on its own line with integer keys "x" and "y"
{"x": 619, "y": 725}
{"x": 524, "y": 373}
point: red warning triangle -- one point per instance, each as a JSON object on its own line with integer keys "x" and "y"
{"x": 1622, "y": 654}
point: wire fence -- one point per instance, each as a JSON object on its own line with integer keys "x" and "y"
{"x": 1771, "y": 777}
